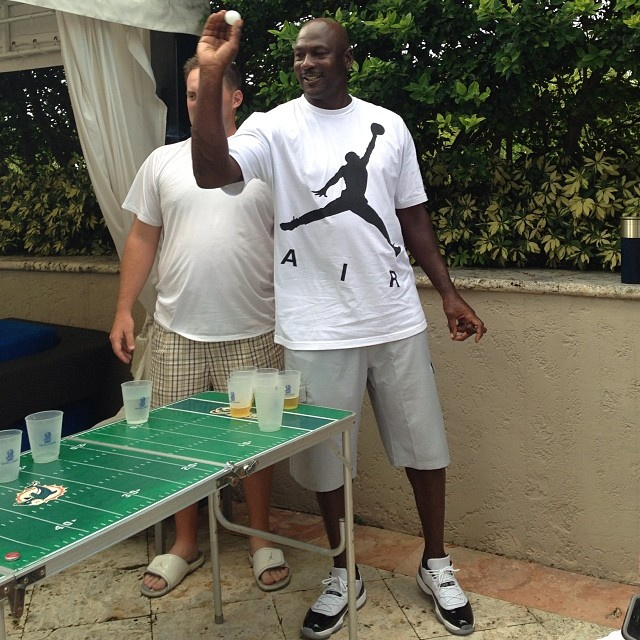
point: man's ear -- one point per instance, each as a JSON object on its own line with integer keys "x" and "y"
{"x": 237, "y": 98}
{"x": 348, "y": 58}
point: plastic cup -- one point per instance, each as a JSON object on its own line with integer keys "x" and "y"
{"x": 269, "y": 406}
{"x": 247, "y": 369}
{"x": 240, "y": 389}
{"x": 45, "y": 430}
{"x": 244, "y": 371}
{"x": 136, "y": 397}
{"x": 290, "y": 380}
{"x": 266, "y": 377}
{"x": 10, "y": 446}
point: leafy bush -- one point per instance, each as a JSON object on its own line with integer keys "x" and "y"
{"x": 525, "y": 115}
{"x": 51, "y": 210}
{"x": 526, "y": 118}
{"x": 538, "y": 211}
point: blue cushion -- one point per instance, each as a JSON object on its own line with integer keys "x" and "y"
{"x": 19, "y": 338}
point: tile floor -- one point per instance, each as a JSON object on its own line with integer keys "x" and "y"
{"x": 99, "y": 599}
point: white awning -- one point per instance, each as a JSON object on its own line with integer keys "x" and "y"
{"x": 175, "y": 16}
{"x": 29, "y": 37}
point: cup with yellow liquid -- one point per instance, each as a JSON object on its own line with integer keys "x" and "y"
{"x": 290, "y": 380}
{"x": 240, "y": 388}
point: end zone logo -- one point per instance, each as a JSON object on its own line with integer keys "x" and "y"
{"x": 36, "y": 494}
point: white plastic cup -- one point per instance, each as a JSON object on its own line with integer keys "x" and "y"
{"x": 269, "y": 406}
{"x": 247, "y": 369}
{"x": 240, "y": 389}
{"x": 265, "y": 377}
{"x": 45, "y": 430}
{"x": 10, "y": 445}
{"x": 136, "y": 397}
{"x": 290, "y": 380}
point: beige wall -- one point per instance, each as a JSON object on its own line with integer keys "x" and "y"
{"x": 78, "y": 292}
{"x": 542, "y": 418}
{"x": 542, "y": 415}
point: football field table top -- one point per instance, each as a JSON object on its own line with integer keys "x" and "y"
{"x": 114, "y": 480}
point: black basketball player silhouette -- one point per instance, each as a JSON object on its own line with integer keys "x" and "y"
{"x": 355, "y": 176}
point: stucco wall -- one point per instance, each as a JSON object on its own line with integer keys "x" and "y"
{"x": 542, "y": 415}
{"x": 542, "y": 419}
{"x": 78, "y": 292}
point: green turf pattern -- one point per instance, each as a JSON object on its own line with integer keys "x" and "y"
{"x": 115, "y": 471}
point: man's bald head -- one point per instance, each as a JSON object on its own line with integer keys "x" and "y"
{"x": 322, "y": 58}
{"x": 332, "y": 28}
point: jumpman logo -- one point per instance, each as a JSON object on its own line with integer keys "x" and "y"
{"x": 355, "y": 176}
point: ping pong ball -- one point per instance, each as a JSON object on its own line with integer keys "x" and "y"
{"x": 231, "y": 16}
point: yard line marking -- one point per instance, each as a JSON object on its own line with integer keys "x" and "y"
{"x": 171, "y": 456}
{"x": 31, "y": 516}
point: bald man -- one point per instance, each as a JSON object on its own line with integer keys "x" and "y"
{"x": 348, "y": 199}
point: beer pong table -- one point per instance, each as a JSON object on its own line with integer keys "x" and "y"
{"x": 115, "y": 480}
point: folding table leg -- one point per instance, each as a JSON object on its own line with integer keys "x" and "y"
{"x": 158, "y": 536}
{"x": 214, "y": 503}
{"x": 352, "y": 596}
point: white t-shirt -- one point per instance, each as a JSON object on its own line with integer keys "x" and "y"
{"x": 338, "y": 280}
{"x": 216, "y": 261}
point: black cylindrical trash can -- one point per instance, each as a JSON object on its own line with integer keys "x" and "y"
{"x": 630, "y": 249}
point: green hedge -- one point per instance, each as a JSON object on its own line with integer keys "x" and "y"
{"x": 51, "y": 210}
{"x": 540, "y": 211}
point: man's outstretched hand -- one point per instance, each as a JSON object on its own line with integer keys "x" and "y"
{"x": 219, "y": 42}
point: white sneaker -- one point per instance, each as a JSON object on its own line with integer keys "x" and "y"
{"x": 452, "y": 605}
{"x": 327, "y": 615}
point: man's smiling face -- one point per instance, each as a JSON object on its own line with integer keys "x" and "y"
{"x": 321, "y": 60}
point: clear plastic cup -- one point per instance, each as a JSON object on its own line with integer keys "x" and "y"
{"x": 136, "y": 397}
{"x": 10, "y": 446}
{"x": 290, "y": 380}
{"x": 269, "y": 406}
{"x": 264, "y": 377}
{"x": 246, "y": 369}
{"x": 240, "y": 389}
{"x": 45, "y": 430}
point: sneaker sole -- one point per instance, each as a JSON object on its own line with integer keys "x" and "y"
{"x": 322, "y": 635}
{"x": 447, "y": 625}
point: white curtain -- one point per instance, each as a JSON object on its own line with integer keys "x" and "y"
{"x": 119, "y": 118}
{"x": 104, "y": 45}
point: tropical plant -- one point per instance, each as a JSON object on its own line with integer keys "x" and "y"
{"x": 525, "y": 115}
{"x": 47, "y": 204}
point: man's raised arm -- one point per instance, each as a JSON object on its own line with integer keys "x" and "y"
{"x": 212, "y": 165}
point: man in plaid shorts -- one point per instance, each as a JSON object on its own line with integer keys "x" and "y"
{"x": 214, "y": 310}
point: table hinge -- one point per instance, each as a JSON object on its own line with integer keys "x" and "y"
{"x": 14, "y": 591}
{"x": 236, "y": 474}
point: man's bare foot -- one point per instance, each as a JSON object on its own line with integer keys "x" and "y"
{"x": 269, "y": 576}
{"x": 187, "y": 552}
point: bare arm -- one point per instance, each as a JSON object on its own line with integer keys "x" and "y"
{"x": 420, "y": 239}
{"x": 212, "y": 165}
{"x": 137, "y": 260}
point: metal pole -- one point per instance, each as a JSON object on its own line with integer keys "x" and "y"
{"x": 214, "y": 505}
{"x": 159, "y": 538}
{"x": 352, "y": 596}
{"x": 3, "y": 634}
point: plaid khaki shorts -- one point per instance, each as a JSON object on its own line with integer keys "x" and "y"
{"x": 181, "y": 367}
